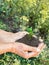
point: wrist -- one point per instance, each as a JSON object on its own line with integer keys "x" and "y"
{"x": 12, "y": 48}
{"x": 6, "y": 47}
{"x": 9, "y": 47}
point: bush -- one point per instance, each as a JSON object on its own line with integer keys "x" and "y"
{"x": 33, "y": 14}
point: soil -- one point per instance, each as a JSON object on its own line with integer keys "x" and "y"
{"x": 32, "y": 41}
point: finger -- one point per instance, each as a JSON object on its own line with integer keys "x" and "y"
{"x": 29, "y": 55}
{"x": 33, "y": 54}
{"x": 20, "y": 53}
{"x": 27, "y": 48}
{"x": 41, "y": 40}
{"x": 25, "y": 54}
{"x": 20, "y": 35}
{"x": 23, "y": 33}
{"x": 41, "y": 46}
{"x": 30, "y": 48}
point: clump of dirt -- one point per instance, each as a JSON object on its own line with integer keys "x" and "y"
{"x": 33, "y": 41}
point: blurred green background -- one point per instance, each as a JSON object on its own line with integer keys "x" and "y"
{"x": 19, "y": 15}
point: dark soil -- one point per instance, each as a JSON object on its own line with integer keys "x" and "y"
{"x": 32, "y": 41}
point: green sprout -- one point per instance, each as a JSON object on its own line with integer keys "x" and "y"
{"x": 30, "y": 31}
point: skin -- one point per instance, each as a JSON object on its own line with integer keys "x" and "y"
{"x": 8, "y": 44}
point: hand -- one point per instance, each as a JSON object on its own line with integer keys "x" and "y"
{"x": 23, "y": 50}
{"x": 19, "y": 48}
{"x": 19, "y": 35}
{"x": 11, "y": 37}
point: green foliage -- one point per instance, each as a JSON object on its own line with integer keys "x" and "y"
{"x": 3, "y": 26}
{"x": 28, "y": 13}
{"x": 33, "y": 13}
{"x": 30, "y": 31}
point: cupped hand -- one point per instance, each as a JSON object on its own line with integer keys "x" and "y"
{"x": 19, "y": 48}
{"x": 11, "y": 37}
{"x": 26, "y": 51}
{"x": 19, "y": 35}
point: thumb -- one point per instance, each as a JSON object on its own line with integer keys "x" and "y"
{"x": 20, "y": 35}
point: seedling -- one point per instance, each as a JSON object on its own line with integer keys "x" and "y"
{"x": 30, "y": 31}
